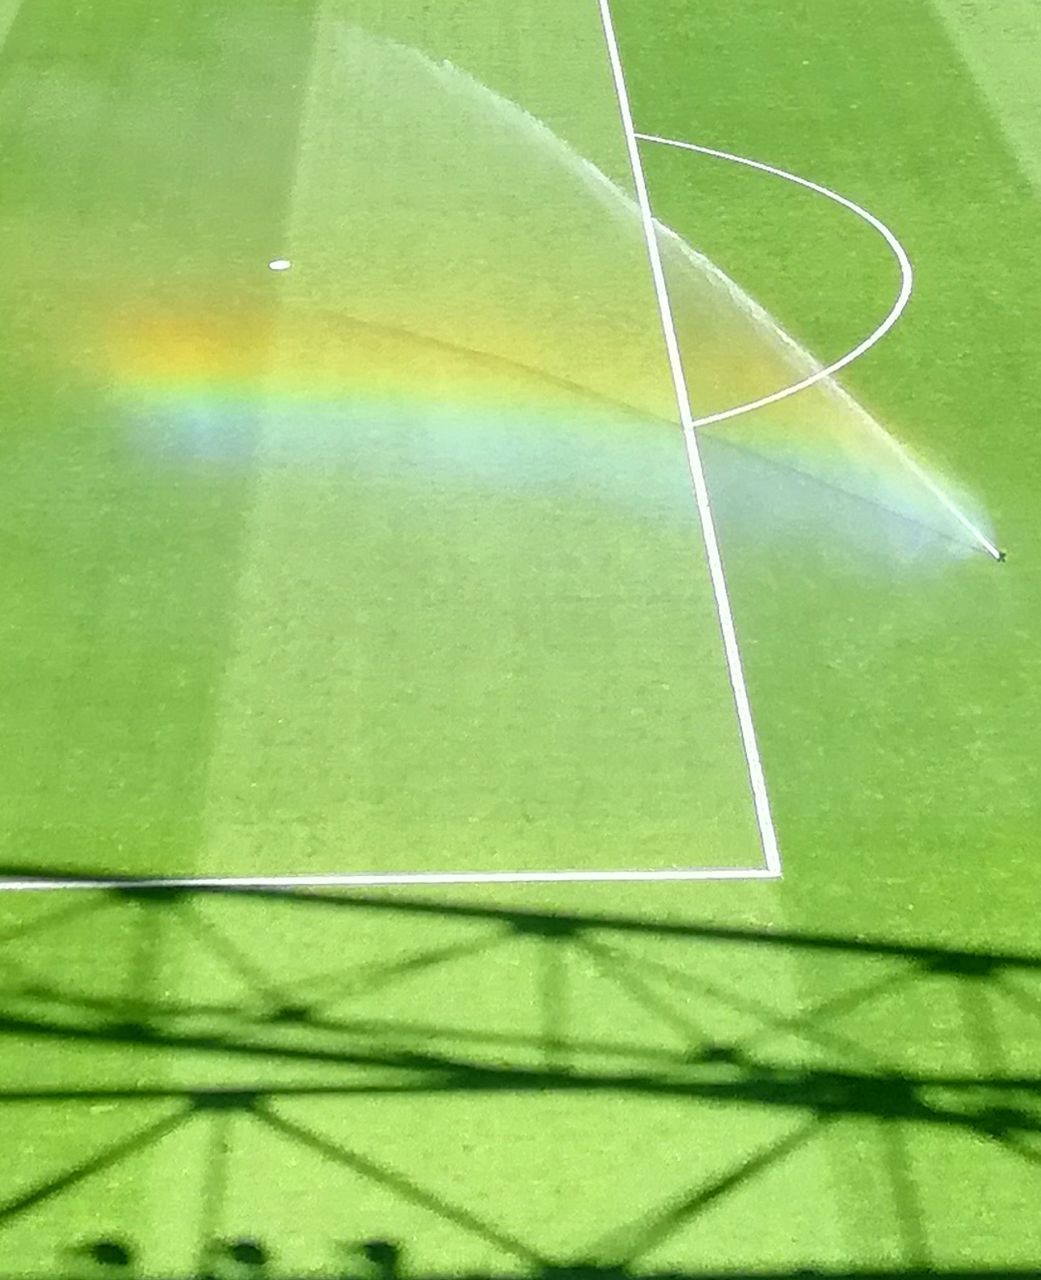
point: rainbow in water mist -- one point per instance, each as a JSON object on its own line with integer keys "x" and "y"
{"x": 391, "y": 409}
{"x": 491, "y": 294}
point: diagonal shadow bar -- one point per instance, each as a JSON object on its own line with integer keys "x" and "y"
{"x": 553, "y": 1001}
{"x": 152, "y": 1037}
{"x": 833, "y": 1092}
{"x": 113, "y": 1006}
{"x": 370, "y": 978}
{"x": 18, "y": 980}
{"x": 233, "y": 957}
{"x": 1026, "y": 1000}
{"x": 825, "y": 1092}
{"x": 437, "y": 1066}
{"x": 102, "y": 1160}
{"x": 142, "y": 977}
{"x": 527, "y": 920}
{"x": 626, "y": 1245}
{"x": 398, "y": 1184}
{"x": 909, "y": 1215}
{"x": 777, "y": 1022}
{"x": 250, "y": 1023}
{"x": 581, "y": 1272}
{"x": 72, "y": 911}
{"x": 303, "y": 1018}
{"x": 839, "y": 1006}
{"x": 213, "y": 1096}
{"x": 613, "y": 966}
{"x": 981, "y": 1027}
{"x": 215, "y": 1182}
{"x": 1017, "y": 1146}
{"x": 926, "y": 954}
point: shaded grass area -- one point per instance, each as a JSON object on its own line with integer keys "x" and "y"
{"x": 495, "y": 1089}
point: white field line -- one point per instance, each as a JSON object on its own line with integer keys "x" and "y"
{"x": 757, "y": 780}
{"x": 772, "y": 868}
{"x": 898, "y": 250}
{"x": 391, "y": 878}
{"x": 827, "y": 372}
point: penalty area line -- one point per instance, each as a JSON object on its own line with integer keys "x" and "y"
{"x": 724, "y": 611}
{"x": 38, "y": 884}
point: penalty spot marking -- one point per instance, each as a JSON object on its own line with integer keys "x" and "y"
{"x": 279, "y": 264}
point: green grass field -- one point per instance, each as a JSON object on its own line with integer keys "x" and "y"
{"x": 389, "y": 563}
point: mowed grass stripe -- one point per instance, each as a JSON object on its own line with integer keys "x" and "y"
{"x": 143, "y": 194}
{"x": 444, "y": 664}
{"x": 1002, "y": 49}
{"x": 146, "y": 156}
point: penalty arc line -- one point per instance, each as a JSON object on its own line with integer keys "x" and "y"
{"x": 828, "y": 371}
{"x": 724, "y": 611}
{"x": 877, "y": 334}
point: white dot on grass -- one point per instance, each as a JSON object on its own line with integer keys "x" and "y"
{"x": 280, "y": 264}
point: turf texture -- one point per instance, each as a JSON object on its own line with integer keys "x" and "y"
{"x": 837, "y": 1071}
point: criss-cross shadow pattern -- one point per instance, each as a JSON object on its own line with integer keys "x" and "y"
{"x": 218, "y": 1083}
